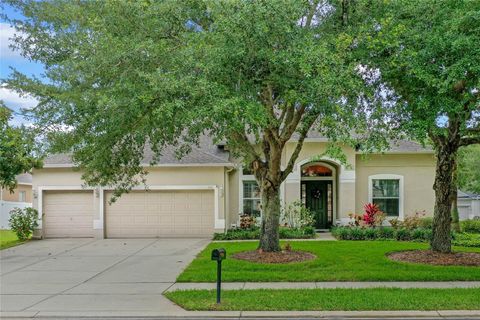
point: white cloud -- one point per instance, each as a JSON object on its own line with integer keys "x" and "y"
{"x": 6, "y": 33}
{"x": 16, "y": 102}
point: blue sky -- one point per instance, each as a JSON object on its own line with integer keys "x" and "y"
{"x": 9, "y": 59}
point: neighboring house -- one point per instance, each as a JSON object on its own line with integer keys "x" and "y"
{"x": 206, "y": 191}
{"x": 21, "y": 197}
{"x": 468, "y": 205}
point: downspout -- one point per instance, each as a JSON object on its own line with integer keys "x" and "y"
{"x": 226, "y": 191}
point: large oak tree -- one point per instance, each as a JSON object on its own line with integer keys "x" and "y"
{"x": 428, "y": 52}
{"x": 126, "y": 75}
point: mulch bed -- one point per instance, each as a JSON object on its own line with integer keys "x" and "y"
{"x": 274, "y": 257}
{"x": 436, "y": 258}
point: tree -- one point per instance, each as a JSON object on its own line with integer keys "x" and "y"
{"x": 469, "y": 169}
{"x": 126, "y": 75}
{"x": 428, "y": 53}
{"x": 17, "y": 150}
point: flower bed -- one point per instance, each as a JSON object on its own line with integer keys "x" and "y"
{"x": 254, "y": 233}
{"x": 401, "y": 234}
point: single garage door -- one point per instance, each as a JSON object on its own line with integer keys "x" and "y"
{"x": 165, "y": 213}
{"x": 68, "y": 214}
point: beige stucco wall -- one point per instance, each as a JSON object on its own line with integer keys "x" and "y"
{"x": 418, "y": 171}
{"x": 15, "y": 196}
{"x": 157, "y": 176}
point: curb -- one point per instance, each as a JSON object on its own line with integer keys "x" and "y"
{"x": 470, "y": 314}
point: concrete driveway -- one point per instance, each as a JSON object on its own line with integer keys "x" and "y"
{"x": 86, "y": 275}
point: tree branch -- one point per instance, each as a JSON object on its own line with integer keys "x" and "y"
{"x": 466, "y": 141}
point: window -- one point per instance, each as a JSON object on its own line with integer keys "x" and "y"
{"x": 386, "y": 194}
{"x": 251, "y": 198}
{"x": 22, "y": 196}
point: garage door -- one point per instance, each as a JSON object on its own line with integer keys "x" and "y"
{"x": 166, "y": 213}
{"x": 68, "y": 214}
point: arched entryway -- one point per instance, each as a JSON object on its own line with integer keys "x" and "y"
{"x": 318, "y": 192}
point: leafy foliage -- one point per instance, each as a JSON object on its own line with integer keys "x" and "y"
{"x": 285, "y": 233}
{"x": 469, "y": 169}
{"x": 427, "y": 52}
{"x": 472, "y": 226}
{"x": 23, "y": 222}
{"x": 296, "y": 215}
{"x": 17, "y": 150}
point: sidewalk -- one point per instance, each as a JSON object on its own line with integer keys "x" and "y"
{"x": 326, "y": 285}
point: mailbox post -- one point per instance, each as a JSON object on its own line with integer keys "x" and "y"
{"x": 219, "y": 255}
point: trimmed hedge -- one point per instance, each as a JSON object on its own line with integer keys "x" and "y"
{"x": 383, "y": 233}
{"x": 471, "y": 226}
{"x": 285, "y": 233}
{"x": 466, "y": 240}
{"x": 402, "y": 234}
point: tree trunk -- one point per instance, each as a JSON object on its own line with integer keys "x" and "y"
{"x": 269, "y": 238}
{"x": 441, "y": 241}
{"x": 454, "y": 195}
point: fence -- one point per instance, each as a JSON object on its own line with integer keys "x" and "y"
{"x": 6, "y": 207}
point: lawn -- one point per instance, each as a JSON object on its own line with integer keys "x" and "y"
{"x": 330, "y": 299}
{"x": 8, "y": 239}
{"x": 336, "y": 261}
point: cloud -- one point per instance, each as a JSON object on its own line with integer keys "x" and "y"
{"x": 16, "y": 102}
{"x": 6, "y": 33}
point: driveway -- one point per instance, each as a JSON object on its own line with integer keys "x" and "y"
{"x": 85, "y": 275}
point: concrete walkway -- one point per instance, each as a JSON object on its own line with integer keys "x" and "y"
{"x": 326, "y": 285}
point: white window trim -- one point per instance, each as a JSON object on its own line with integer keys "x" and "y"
{"x": 246, "y": 177}
{"x": 388, "y": 177}
{"x": 22, "y": 196}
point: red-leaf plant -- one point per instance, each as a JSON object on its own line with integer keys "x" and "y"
{"x": 371, "y": 210}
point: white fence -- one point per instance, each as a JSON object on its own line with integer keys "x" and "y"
{"x": 6, "y": 207}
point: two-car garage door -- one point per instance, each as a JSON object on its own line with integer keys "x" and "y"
{"x": 138, "y": 214}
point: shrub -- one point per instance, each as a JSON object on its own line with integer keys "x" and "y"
{"x": 23, "y": 222}
{"x": 426, "y": 223}
{"x": 254, "y": 233}
{"x": 385, "y": 233}
{"x": 296, "y": 215}
{"x": 414, "y": 221}
{"x": 247, "y": 222}
{"x": 466, "y": 240}
{"x": 402, "y": 234}
{"x": 472, "y": 226}
{"x": 373, "y": 216}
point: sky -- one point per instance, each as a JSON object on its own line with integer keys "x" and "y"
{"x": 12, "y": 59}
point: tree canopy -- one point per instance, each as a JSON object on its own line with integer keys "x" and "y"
{"x": 469, "y": 169}
{"x": 427, "y": 52}
{"x": 17, "y": 150}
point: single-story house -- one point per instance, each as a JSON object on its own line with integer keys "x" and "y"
{"x": 468, "y": 205}
{"x": 207, "y": 191}
{"x": 21, "y": 197}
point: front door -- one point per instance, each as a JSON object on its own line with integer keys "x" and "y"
{"x": 318, "y": 198}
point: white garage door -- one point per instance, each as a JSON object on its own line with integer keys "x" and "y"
{"x": 68, "y": 214}
{"x": 165, "y": 213}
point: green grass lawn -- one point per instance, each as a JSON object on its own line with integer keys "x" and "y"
{"x": 8, "y": 239}
{"x": 330, "y": 299}
{"x": 336, "y": 261}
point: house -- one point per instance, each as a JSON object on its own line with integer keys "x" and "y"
{"x": 468, "y": 205}
{"x": 21, "y": 197}
{"x": 206, "y": 191}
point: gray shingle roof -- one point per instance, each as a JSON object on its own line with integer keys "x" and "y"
{"x": 24, "y": 178}
{"x": 206, "y": 153}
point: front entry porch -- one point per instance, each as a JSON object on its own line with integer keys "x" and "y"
{"x": 317, "y": 191}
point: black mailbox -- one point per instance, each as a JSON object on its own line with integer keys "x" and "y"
{"x": 219, "y": 254}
